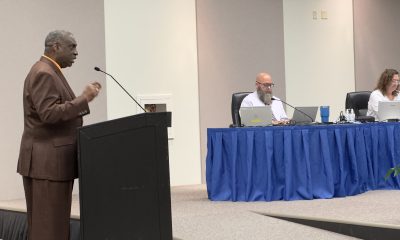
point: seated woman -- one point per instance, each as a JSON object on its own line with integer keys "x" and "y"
{"x": 386, "y": 90}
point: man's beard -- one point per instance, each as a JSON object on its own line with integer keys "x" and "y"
{"x": 264, "y": 97}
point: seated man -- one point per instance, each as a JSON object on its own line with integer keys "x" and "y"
{"x": 263, "y": 96}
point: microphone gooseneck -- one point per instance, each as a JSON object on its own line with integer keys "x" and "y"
{"x": 305, "y": 114}
{"x": 99, "y": 70}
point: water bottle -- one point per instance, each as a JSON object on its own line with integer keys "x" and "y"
{"x": 346, "y": 115}
{"x": 352, "y": 116}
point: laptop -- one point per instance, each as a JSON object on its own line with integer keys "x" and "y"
{"x": 388, "y": 110}
{"x": 304, "y": 115}
{"x": 256, "y": 116}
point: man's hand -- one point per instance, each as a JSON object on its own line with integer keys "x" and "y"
{"x": 91, "y": 91}
{"x": 281, "y": 122}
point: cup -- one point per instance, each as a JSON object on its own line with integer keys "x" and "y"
{"x": 324, "y": 112}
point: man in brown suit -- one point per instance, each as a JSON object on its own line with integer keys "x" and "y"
{"x": 48, "y": 158}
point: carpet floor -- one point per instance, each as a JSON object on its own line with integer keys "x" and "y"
{"x": 194, "y": 217}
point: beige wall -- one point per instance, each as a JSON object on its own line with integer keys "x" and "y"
{"x": 236, "y": 40}
{"x": 151, "y": 49}
{"x": 376, "y": 39}
{"x": 24, "y": 25}
{"x": 319, "y": 53}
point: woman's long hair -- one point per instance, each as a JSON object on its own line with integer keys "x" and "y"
{"x": 385, "y": 80}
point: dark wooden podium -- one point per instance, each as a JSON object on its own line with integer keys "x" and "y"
{"x": 124, "y": 178}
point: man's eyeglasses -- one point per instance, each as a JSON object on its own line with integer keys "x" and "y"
{"x": 266, "y": 85}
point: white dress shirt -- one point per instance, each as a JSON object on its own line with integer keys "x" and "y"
{"x": 374, "y": 99}
{"x": 252, "y": 100}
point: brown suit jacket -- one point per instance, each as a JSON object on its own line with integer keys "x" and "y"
{"x": 52, "y": 115}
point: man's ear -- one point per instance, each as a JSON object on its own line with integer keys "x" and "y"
{"x": 56, "y": 47}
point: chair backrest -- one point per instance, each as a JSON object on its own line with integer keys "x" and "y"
{"x": 358, "y": 101}
{"x": 237, "y": 99}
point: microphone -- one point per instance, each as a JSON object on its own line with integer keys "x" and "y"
{"x": 305, "y": 114}
{"x": 99, "y": 70}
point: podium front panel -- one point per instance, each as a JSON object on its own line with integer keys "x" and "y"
{"x": 124, "y": 178}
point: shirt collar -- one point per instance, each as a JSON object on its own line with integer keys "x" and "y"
{"x": 55, "y": 63}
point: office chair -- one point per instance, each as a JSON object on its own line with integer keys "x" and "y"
{"x": 237, "y": 99}
{"x": 358, "y": 101}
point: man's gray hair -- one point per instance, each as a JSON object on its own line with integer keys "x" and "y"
{"x": 53, "y": 37}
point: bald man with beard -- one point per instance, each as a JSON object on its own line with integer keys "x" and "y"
{"x": 262, "y": 97}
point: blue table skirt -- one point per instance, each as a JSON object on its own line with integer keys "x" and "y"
{"x": 300, "y": 162}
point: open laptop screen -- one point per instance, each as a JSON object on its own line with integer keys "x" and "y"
{"x": 256, "y": 116}
{"x": 388, "y": 110}
{"x": 303, "y": 115}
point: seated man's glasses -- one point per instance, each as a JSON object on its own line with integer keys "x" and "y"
{"x": 266, "y": 85}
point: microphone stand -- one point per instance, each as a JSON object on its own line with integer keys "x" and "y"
{"x": 99, "y": 70}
